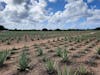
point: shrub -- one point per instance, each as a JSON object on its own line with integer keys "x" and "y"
{"x": 23, "y": 61}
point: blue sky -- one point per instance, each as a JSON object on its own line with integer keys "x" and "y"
{"x": 51, "y": 14}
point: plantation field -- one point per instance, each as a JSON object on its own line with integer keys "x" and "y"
{"x": 50, "y": 53}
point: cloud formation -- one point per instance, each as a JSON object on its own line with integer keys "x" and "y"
{"x": 33, "y": 14}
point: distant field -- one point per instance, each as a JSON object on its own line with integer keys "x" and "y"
{"x": 50, "y": 52}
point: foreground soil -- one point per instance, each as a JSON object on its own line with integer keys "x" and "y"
{"x": 79, "y": 54}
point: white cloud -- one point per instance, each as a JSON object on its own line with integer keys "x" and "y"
{"x": 52, "y": 0}
{"x": 95, "y": 18}
{"x": 19, "y": 12}
{"x": 71, "y": 0}
{"x": 89, "y": 1}
{"x": 73, "y": 11}
{"x": 23, "y": 14}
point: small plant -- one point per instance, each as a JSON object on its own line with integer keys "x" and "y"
{"x": 50, "y": 66}
{"x": 66, "y": 71}
{"x": 59, "y": 52}
{"x": 82, "y": 70}
{"x": 45, "y": 58}
{"x": 98, "y": 51}
{"x": 23, "y": 61}
{"x": 3, "y": 56}
{"x": 65, "y": 56}
{"x": 40, "y": 51}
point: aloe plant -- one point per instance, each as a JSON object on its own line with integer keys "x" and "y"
{"x": 82, "y": 70}
{"x": 3, "y": 56}
{"x": 23, "y": 61}
{"x": 65, "y": 56}
{"x": 40, "y": 51}
{"x": 66, "y": 71}
{"x": 59, "y": 52}
{"x": 50, "y": 66}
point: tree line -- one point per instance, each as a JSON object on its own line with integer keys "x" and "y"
{"x": 45, "y": 29}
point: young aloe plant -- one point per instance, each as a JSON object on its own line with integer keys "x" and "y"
{"x": 3, "y": 56}
{"x": 65, "y": 56}
{"x": 50, "y": 66}
{"x": 40, "y": 52}
{"x": 23, "y": 61}
{"x": 82, "y": 70}
{"x": 59, "y": 52}
{"x": 66, "y": 71}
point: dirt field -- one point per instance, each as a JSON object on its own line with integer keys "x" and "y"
{"x": 79, "y": 52}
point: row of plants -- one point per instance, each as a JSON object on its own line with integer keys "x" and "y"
{"x": 53, "y": 69}
{"x": 11, "y": 36}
